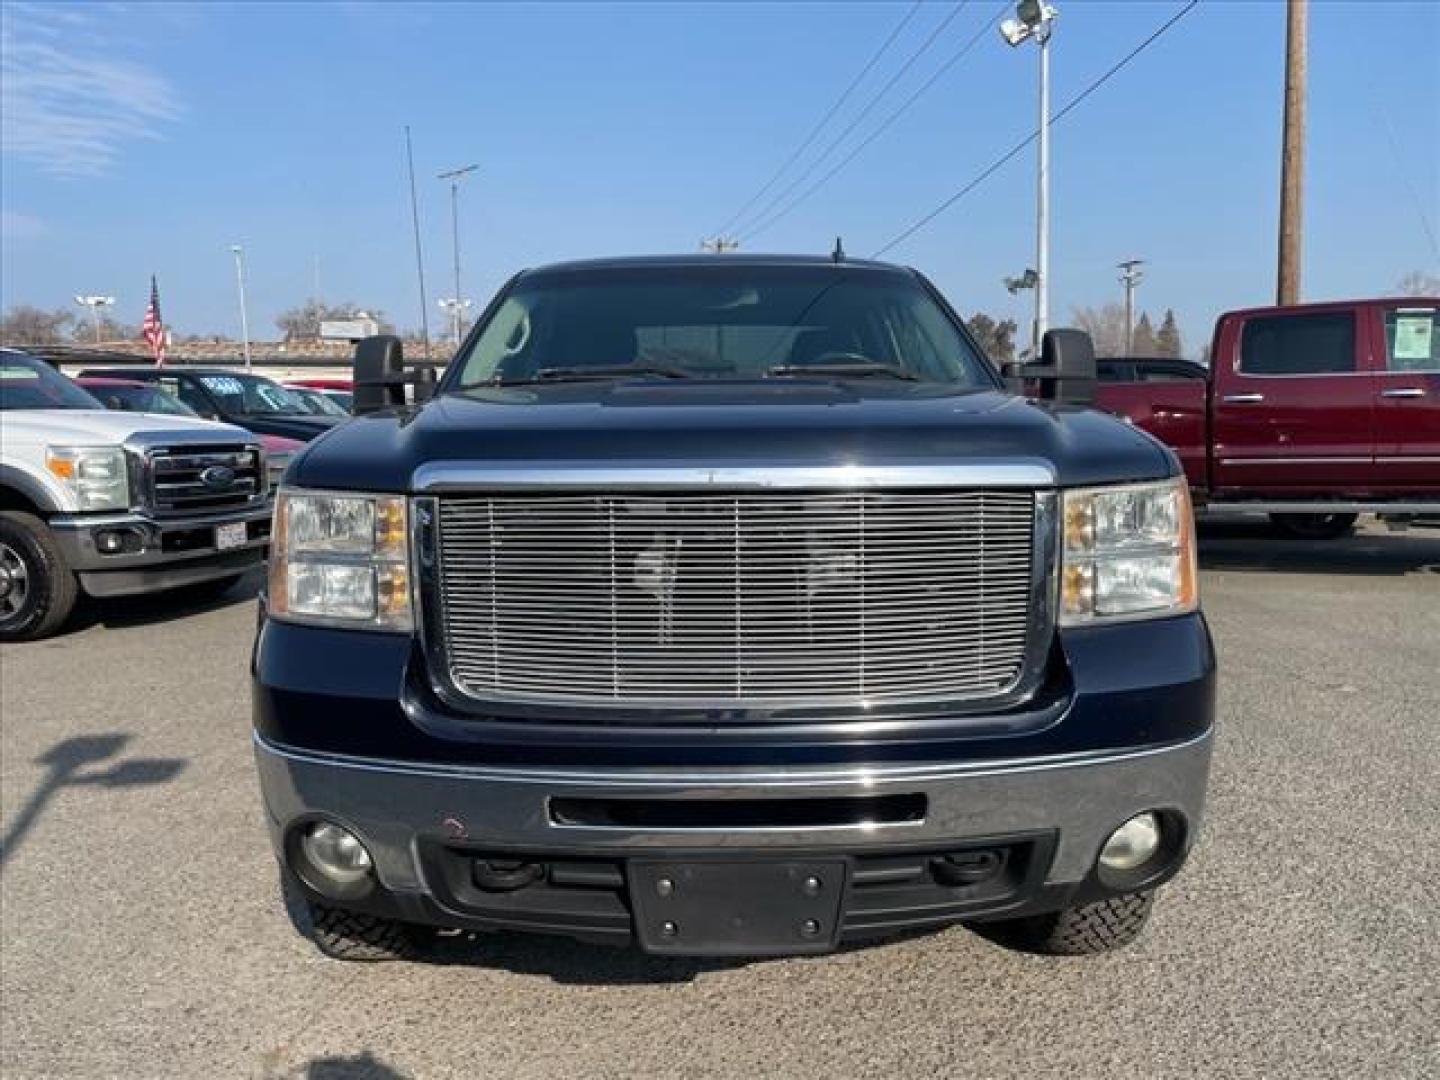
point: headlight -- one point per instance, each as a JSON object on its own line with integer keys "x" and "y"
{"x": 340, "y": 559}
{"x": 97, "y": 475}
{"x": 1129, "y": 553}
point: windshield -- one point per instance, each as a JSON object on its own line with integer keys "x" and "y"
{"x": 146, "y": 399}
{"x": 726, "y": 322}
{"x": 28, "y": 383}
{"x": 252, "y": 395}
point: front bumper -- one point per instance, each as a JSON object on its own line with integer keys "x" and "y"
{"x": 432, "y": 829}
{"x": 161, "y": 553}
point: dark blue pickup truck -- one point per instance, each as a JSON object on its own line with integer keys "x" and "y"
{"x": 730, "y": 606}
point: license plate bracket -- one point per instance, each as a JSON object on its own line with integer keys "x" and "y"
{"x": 737, "y": 907}
{"x": 230, "y": 536}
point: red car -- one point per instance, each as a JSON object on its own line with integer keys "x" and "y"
{"x": 1314, "y": 413}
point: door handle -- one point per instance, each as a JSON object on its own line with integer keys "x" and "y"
{"x": 1244, "y": 399}
{"x": 1403, "y": 392}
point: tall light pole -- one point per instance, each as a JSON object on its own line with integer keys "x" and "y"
{"x": 95, "y": 303}
{"x": 1033, "y": 20}
{"x": 239, "y": 254}
{"x": 454, "y": 176}
{"x": 456, "y": 308}
{"x": 1130, "y": 276}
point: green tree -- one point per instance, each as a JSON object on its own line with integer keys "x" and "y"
{"x": 997, "y": 338}
{"x": 1167, "y": 341}
{"x": 1143, "y": 343}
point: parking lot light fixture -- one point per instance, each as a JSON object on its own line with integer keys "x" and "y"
{"x": 1034, "y": 20}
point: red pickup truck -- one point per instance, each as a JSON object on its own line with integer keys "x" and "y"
{"x": 1314, "y": 413}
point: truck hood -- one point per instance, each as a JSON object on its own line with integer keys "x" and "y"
{"x": 739, "y": 424}
{"x": 300, "y": 428}
{"x": 104, "y": 427}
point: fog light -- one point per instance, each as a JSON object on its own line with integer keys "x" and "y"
{"x": 336, "y": 852}
{"x": 109, "y": 542}
{"x": 1132, "y": 844}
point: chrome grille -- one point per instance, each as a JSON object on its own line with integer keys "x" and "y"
{"x": 175, "y": 478}
{"x": 754, "y": 600}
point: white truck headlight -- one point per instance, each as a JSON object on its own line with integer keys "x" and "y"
{"x": 339, "y": 558}
{"x": 96, "y": 475}
{"x": 1129, "y": 553}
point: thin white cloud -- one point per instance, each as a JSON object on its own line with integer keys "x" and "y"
{"x": 17, "y": 226}
{"x": 70, "y": 106}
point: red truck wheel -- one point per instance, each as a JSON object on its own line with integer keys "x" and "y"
{"x": 1315, "y": 526}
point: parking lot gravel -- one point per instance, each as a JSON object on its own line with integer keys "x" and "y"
{"x": 143, "y": 934}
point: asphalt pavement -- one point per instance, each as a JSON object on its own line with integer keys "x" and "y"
{"x": 141, "y": 934}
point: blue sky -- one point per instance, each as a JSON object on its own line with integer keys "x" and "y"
{"x": 150, "y": 137}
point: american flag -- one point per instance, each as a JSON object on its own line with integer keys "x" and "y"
{"x": 153, "y": 327}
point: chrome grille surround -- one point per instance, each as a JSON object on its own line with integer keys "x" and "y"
{"x": 167, "y": 474}
{"x": 856, "y": 602}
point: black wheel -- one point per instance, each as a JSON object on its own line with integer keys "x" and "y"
{"x": 1315, "y": 526}
{"x": 349, "y": 935}
{"x": 37, "y": 589}
{"x": 1084, "y": 930}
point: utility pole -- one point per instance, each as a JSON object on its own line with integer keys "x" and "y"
{"x": 239, "y": 254}
{"x": 1130, "y": 276}
{"x": 1292, "y": 159}
{"x": 454, "y": 176}
{"x": 719, "y": 245}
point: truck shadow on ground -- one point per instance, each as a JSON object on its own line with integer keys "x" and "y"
{"x": 1255, "y": 546}
{"x": 126, "y": 611}
{"x": 69, "y": 764}
{"x": 362, "y": 1066}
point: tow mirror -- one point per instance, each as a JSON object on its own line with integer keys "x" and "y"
{"x": 379, "y": 374}
{"x": 1066, "y": 371}
{"x": 1071, "y": 355}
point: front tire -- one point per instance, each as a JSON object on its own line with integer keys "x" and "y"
{"x": 1315, "y": 526}
{"x": 37, "y": 589}
{"x": 1084, "y": 930}
{"x": 349, "y": 935}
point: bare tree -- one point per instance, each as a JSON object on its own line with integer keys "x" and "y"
{"x": 304, "y": 321}
{"x": 997, "y": 338}
{"x": 82, "y": 331}
{"x": 26, "y": 325}
{"x": 1419, "y": 283}
{"x": 1105, "y": 325}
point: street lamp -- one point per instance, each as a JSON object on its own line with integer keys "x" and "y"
{"x": 456, "y": 308}
{"x": 95, "y": 303}
{"x": 454, "y": 176}
{"x": 1033, "y": 20}
{"x": 239, "y": 253}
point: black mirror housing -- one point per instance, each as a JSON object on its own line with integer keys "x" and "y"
{"x": 379, "y": 374}
{"x": 1066, "y": 371}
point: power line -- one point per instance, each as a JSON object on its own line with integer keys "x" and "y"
{"x": 764, "y": 224}
{"x": 815, "y": 131}
{"x": 1398, "y": 161}
{"x": 999, "y": 162}
{"x": 860, "y": 117}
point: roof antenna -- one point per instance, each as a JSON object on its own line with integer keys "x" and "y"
{"x": 838, "y": 255}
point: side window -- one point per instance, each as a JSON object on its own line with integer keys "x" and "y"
{"x": 1298, "y": 344}
{"x": 1412, "y": 340}
{"x": 190, "y": 394}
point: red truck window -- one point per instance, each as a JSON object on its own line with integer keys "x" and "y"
{"x": 1412, "y": 340}
{"x": 1319, "y": 344}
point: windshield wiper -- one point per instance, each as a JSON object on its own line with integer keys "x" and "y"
{"x": 848, "y": 369}
{"x": 589, "y": 373}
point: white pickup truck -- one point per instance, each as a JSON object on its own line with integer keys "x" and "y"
{"x": 115, "y": 503}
